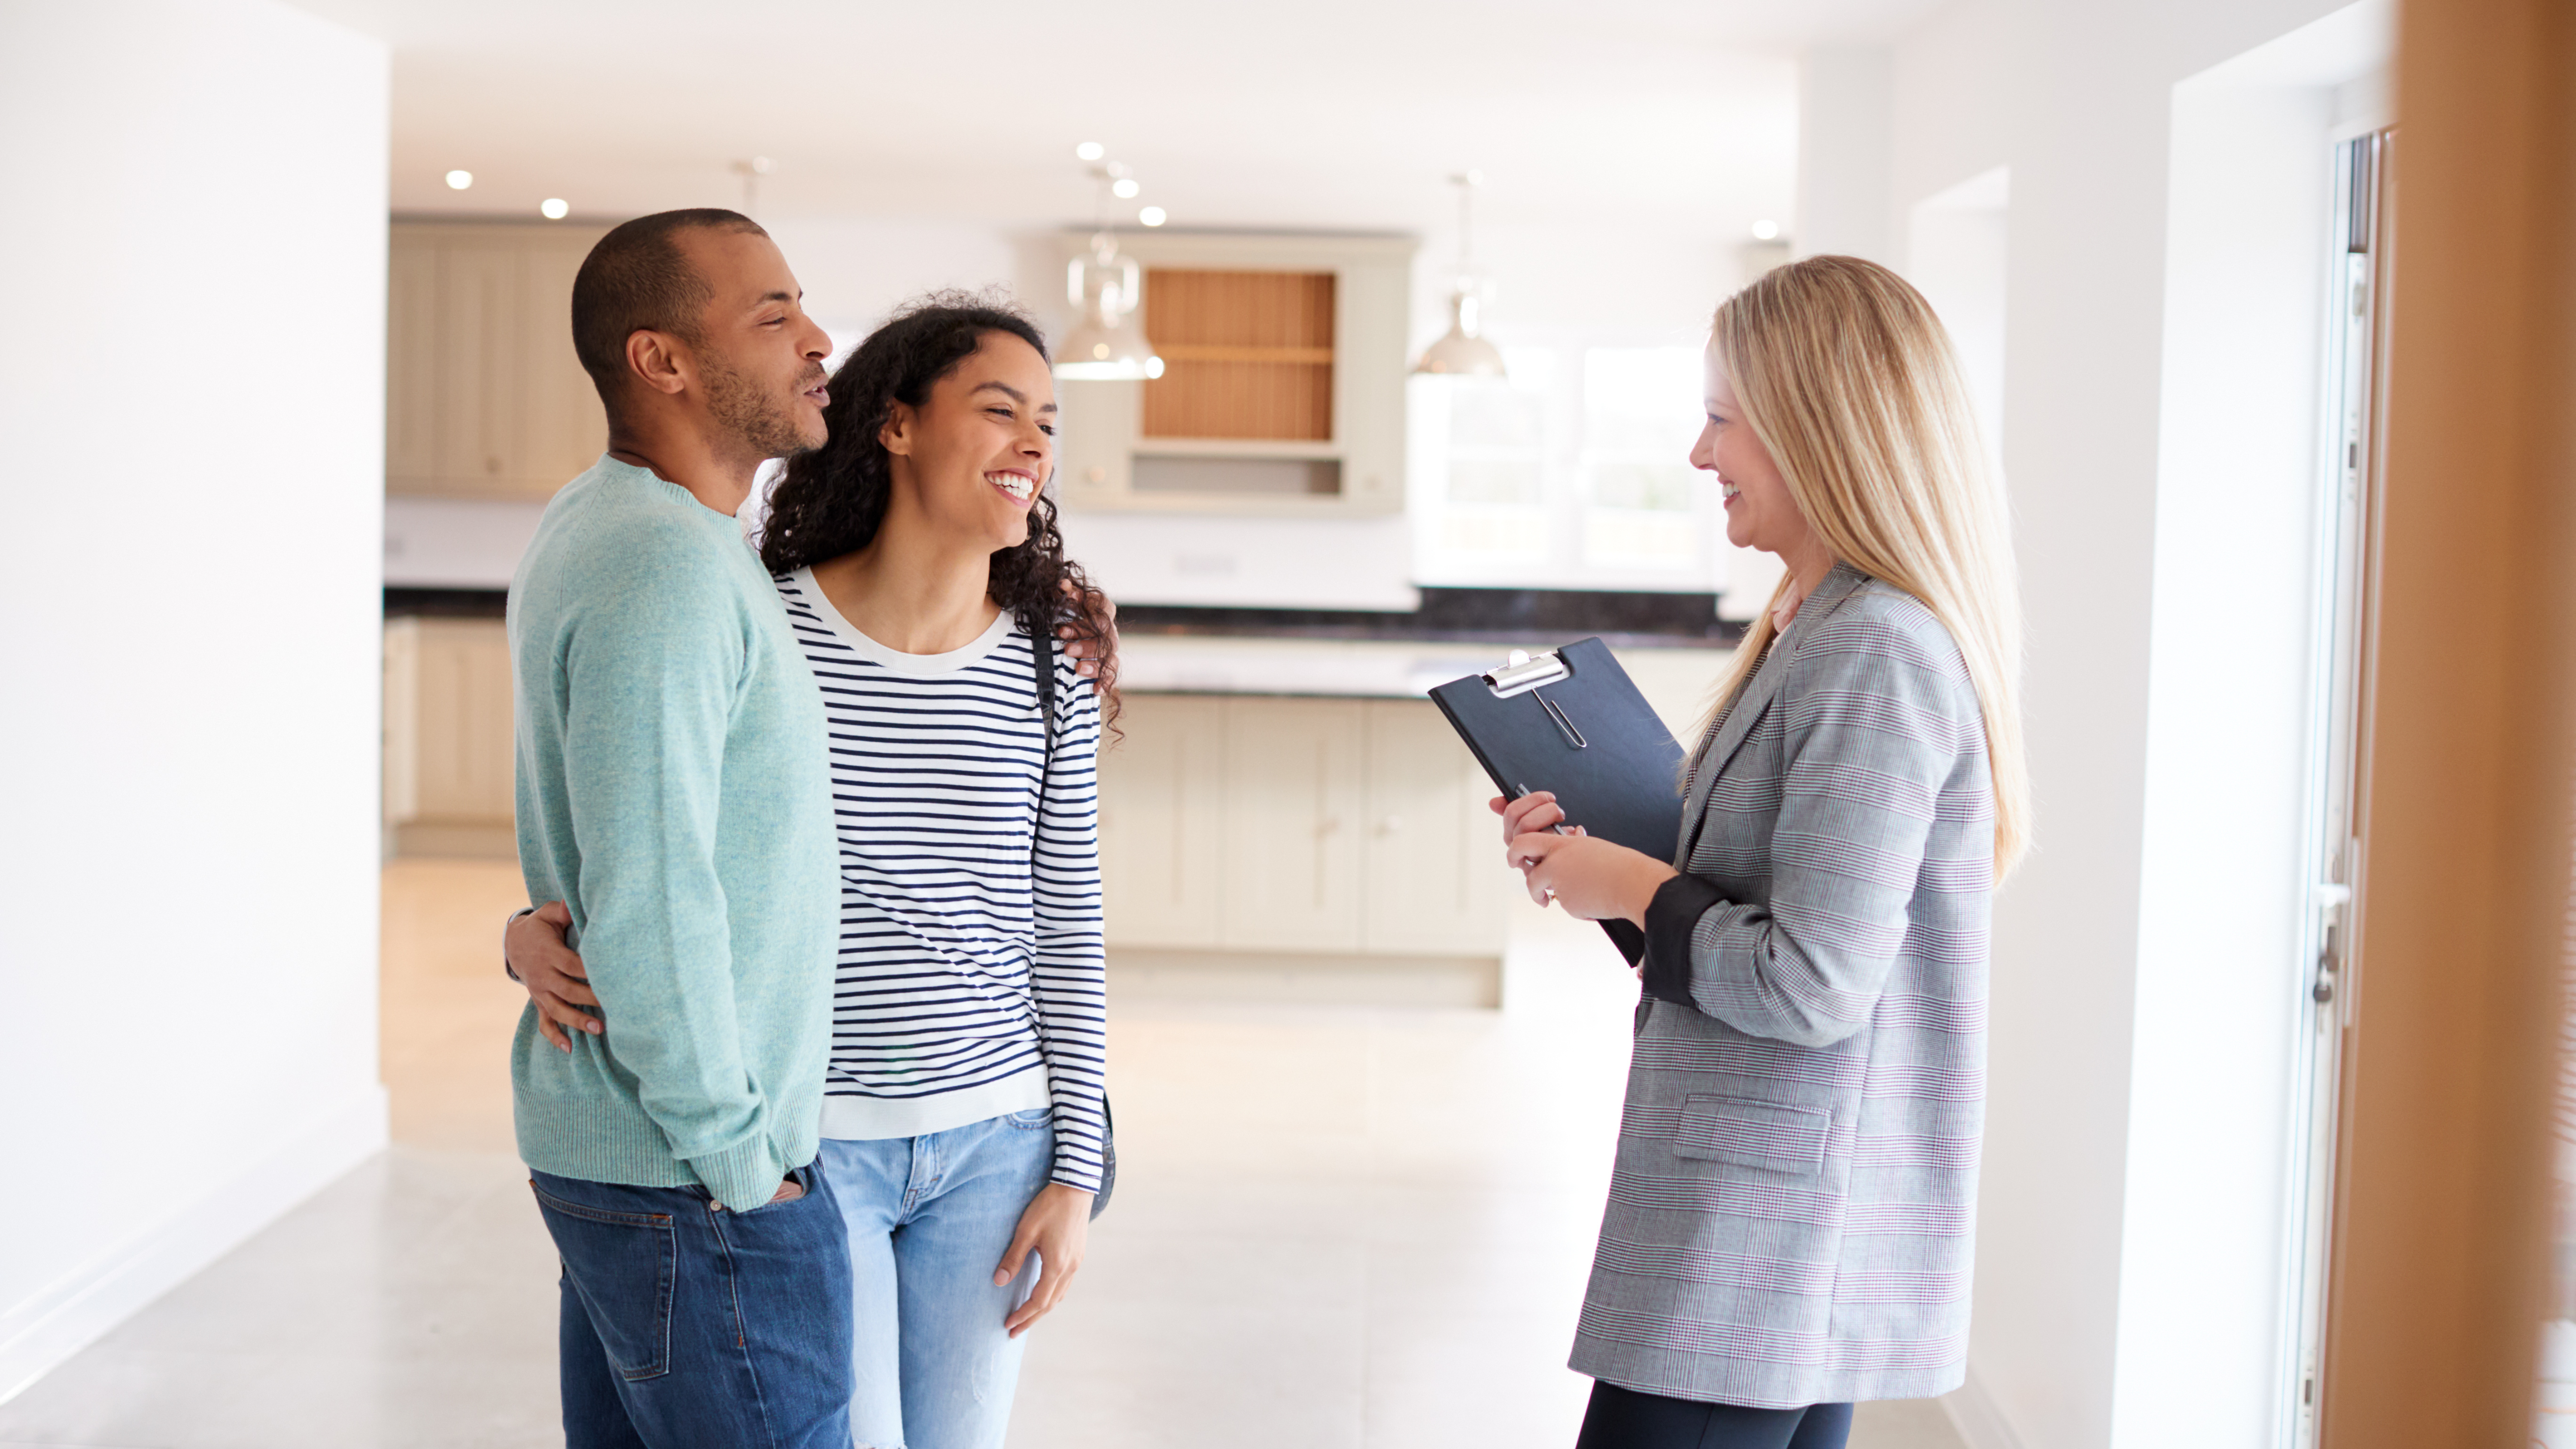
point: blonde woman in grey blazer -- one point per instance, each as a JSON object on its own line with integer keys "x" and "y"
{"x": 1792, "y": 1211}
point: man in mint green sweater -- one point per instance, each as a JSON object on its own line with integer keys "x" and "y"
{"x": 672, "y": 793}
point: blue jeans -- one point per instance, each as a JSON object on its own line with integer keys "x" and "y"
{"x": 929, "y": 1218}
{"x": 688, "y": 1326}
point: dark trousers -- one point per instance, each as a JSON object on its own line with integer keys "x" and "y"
{"x": 1626, "y": 1419}
{"x": 686, "y": 1326}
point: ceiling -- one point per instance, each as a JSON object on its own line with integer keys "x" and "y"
{"x": 1330, "y": 114}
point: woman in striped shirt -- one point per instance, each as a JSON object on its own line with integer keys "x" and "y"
{"x": 964, "y": 1118}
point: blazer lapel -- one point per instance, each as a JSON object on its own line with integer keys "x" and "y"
{"x": 1721, "y": 743}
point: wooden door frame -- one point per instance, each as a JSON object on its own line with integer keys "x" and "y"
{"x": 2442, "y": 1213}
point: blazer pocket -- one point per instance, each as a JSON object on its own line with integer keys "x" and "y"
{"x": 1747, "y": 1133}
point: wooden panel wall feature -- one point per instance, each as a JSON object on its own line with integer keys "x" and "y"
{"x": 2440, "y": 1275}
{"x": 1246, "y": 355}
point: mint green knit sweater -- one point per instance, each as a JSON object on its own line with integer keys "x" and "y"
{"x": 672, "y": 790}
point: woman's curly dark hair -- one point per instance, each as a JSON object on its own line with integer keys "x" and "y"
{"x": 831, "y": 501}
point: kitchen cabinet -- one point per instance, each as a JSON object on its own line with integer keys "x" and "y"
{"x": 1431, "y": 853}
{"x": 484, "y": 396}
{"x": 449, "y": 752}
{"x": 1294, "y": 794}
{"x": 1300, "y": 827}
{"x": 1284, "y": 394}
{"x": 1159, "y": 819}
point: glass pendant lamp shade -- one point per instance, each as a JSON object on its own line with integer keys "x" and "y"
{"x": 1460, "y": 352}
{"x": 1106, "y": 351}
{"x": 1108, "y": 345}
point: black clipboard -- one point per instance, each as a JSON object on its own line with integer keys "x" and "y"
{"x": 1572, "y": 722}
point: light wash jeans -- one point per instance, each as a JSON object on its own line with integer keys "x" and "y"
{"x": 929, "y": 1218}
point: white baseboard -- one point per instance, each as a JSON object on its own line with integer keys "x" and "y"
{"x": 75, "y": 1311}
{"x": 1978, "y": 1418}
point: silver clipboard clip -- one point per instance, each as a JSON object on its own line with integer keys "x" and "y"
{"x": 1524, "y": 674}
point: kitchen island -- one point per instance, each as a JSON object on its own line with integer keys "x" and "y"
{"x": 1292, "y": 818}
{"x": 1283, "y": 816}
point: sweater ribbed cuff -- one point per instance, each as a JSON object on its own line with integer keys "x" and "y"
{"x": 742, "y": 1177}
{"x": 1671, "y": 919}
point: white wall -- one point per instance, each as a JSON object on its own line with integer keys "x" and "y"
{"x": 1558, "y": 287}
{"x": 1844, "y": 140}
{"x": 457, "y": 543}
{"x": 2093, "y": 1320}
{"x": 1958, "y": 249}
{"x": 191, "y": 393}
{"x": 856, "y": 269}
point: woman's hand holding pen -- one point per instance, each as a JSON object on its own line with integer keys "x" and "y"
{"x": 1593, "y": 879}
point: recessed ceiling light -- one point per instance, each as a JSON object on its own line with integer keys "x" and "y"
{"x": 1123, "y": 188}
{"x": 555, "y": 208}
{"x": 1152, "y": 216}
{"x": 1090, "y": 151}
{"x": 459, "y": 180}
{"x": 1765, "y": 230}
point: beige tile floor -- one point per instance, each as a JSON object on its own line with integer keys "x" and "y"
{"x": 1336, "y": 1227}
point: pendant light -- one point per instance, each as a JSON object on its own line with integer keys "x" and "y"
{"x": 1460, "y": 352}
{"x": 1106, "y": 345}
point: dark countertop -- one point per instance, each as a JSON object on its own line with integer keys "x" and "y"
{"x": 1523, "y": 617}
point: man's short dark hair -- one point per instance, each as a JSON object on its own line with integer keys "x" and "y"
{"x": 637, "y": 279}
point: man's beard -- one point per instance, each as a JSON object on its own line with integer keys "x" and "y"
{"x": 761, "y": 421}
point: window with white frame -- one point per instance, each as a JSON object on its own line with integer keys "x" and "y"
{"x": 1644, "y": 507}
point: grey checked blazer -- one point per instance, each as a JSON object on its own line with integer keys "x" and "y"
{"x": 1791, "y": 1215}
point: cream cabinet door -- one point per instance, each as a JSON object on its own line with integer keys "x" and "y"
{"x": 1432, "y": 856}
{"x": 565, "y": 428}
{"x": 481, "y": 390}
{"x": 411, "y": 364}
{"x": 1161, "y": 806}
{"x": 449, "y": 746}
{"x": 485, "y": 397}
{"x": 1293, "y": 796}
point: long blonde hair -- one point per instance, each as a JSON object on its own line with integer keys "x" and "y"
{"x": 1848, "y": 379}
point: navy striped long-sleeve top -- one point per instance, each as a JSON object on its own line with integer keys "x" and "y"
{"x": 970, "y": 981}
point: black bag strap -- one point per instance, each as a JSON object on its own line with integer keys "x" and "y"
{"x": 1042, "y": 660}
